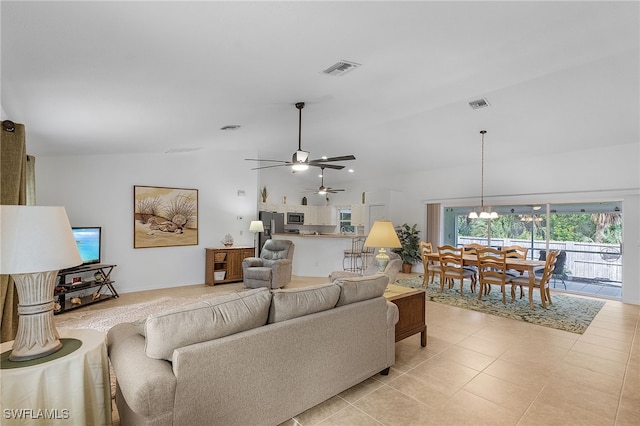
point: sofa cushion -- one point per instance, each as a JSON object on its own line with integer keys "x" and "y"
{"x": 205, "y": 320}
{"x": 356, "y": 289}
{"x": 296, "y": 302}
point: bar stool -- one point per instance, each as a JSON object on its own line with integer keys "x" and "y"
{"x": 353, "y": 259}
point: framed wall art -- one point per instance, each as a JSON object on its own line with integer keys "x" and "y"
{"x": 164, "y": 217}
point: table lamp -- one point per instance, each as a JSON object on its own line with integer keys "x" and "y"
{"x": 35, "y": 243}
{"x": 255, "y": 227}
{"x": 382, "y": 235}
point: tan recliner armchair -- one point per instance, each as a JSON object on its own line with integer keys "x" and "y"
{"x": 393, "y": 267}
{"x": 273, "y": 268}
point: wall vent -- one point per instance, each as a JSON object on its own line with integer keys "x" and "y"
{"x": 341, "y": 68}
{"x": 480, "y": 103}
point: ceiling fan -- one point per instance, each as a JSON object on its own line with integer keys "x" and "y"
{"x": 300, "y": 159}
{"x": 324, "y": 189}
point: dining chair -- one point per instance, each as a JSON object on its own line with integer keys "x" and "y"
{"x": 472, "y": 248}
{"x": 558, "y": 270}
{"x": 517, "y": 252}
{"x": 540, "y": 282}
{"x": 431, "y": 268}
{"x": 492, "y": 269}
{"x": 451, "y": 263}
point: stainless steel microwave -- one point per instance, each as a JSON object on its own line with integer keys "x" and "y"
{"x": 295, "y": 218}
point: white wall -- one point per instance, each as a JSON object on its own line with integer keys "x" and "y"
{"x": 98, "y": 191}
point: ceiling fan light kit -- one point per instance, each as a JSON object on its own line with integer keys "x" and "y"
{"x": 300, "y": 160}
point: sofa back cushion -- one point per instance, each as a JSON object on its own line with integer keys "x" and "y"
{"x": 296, "y": 302}
{"x": 356, "y": 289}
{"x": 205, "y": 320}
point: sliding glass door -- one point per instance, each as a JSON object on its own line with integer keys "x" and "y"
{"x": 589, "y": 234}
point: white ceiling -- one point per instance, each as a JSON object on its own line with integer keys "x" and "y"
{"x": 147, "y": 77}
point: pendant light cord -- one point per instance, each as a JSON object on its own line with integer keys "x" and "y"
{"x": 482, "y": 132}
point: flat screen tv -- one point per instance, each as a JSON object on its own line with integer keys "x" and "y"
{"x": 88, "y": 240}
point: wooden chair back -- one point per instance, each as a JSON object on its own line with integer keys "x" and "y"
{"x": 492, "y": 269}
{"x": 451, "y": 263}
{"x": 430, "y": 268}
{"x": 516, "y": 251}
{"x": 549, "y": 265}
{"x": 472, "y": 248}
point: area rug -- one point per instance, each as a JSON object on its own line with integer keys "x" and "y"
{"x": 104, "y": 319}
{"x": 567, "y": 313}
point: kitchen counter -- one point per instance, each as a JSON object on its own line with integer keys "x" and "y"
{"x": 318, "y": 255}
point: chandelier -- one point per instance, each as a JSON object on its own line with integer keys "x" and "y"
{"x": 485, "y": 213}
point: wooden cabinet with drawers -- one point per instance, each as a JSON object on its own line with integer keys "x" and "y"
{"x": 224, "y": 264}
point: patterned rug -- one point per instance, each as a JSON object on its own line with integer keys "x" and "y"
{"x": 568, "y": 313}
{"x": 104, "y": 318}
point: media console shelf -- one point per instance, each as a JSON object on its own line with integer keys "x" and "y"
{"x": 79, "y": 287}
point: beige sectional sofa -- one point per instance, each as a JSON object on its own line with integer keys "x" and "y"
{"x": 255, "y": 357}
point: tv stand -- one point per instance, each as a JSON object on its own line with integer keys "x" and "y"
{"x": 79, "y": 289}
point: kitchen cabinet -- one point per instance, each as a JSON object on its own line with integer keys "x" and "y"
{"x": 358, "y": 214}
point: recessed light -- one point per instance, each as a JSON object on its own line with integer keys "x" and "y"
{"x": 351, "y": 170}
{"x": 179, "y": 150}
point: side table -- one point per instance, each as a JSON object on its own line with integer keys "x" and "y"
{"x": 69, "y": 389}
{"x": 412, "y": 309}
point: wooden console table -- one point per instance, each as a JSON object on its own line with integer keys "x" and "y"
{"x": 224, "y": 264}
{"x": 412, "y": 309}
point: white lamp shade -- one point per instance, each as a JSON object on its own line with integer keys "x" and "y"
{"x": 36, "y": 239}
{"x": 382, "y": 234}
{"x": 256, "y": 226}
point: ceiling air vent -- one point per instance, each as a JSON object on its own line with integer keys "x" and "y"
{"x": 480, "y": 103}
{"x": 341, "y": 68}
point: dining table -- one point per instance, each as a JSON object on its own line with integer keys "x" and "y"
{"x": 524, "y": 265}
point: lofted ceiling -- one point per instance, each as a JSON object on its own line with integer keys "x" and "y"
{"x": 93, "y": 78}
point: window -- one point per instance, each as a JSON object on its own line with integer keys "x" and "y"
{"x": 344, "y": 220}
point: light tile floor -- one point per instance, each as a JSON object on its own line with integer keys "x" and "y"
{"x": 479, "y": 369}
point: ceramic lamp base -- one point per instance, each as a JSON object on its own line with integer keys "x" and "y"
{"x": 37, "y": 335}
{"x": 382, "y": 260}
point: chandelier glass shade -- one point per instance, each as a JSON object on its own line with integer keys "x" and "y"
{"x": 485, "y": 212}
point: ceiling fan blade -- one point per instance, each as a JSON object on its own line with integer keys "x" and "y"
{"x": 332, "y": 190}
{"x": 342, "y": 158}
{"x": 268, "y": 167}
{"x": 327, "y": 166}
{"x": 262, "y": 159}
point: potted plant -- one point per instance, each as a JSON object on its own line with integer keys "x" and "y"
{"x": 409, "y": 237}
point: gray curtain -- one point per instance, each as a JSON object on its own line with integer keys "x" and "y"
{"x": 13, "y": 183}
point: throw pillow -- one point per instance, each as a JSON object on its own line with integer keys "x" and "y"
{"x": 357, "y": 289}
{"x": 296, "y": 302}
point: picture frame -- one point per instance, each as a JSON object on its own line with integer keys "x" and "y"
{"x": 164, "y": 216}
